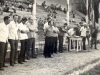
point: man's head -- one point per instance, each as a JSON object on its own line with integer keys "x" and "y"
{"x": 75, "y": 28}
{"x": 65, "y": 24}
{"x": 84, "y": 24}
{"x": 30, "y": 19}
{"x": 6, "y": 20}
{"x": 15, "y": 17}
{"x": 54, "y": 23}
{"x": 50, "y": 23}
{"x": 24, "y": 19}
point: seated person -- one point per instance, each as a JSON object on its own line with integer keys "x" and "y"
{"x": 65, "y": 11}
{"x": 20, "y": 6}
{"x": 1, "y": 10}
{"x": 13, "y": 8}
{"x": 44, "y": 4}
{"x": 6, "y": 8}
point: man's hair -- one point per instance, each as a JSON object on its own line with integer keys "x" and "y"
{"x": 15, "y": 15}
{"x": 6, "y": 18}
{"x": 49, "y": 22}
{"x": 65, "y": 24}
{"x": 24, "y": 19}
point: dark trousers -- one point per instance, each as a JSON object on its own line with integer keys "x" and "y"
{"x": 13, "y": 52}
{"x": 24, "y": 48}
{"x": 31, "y": 47}
{"x": 2, "y": 2}
{"x": 84, "y": 43}
{"x": 55, "y": 44}
{"x": 3, "y": 50}
{"x": 48, "y": 47}
{"x": 94, "y": 40}
{"x": 60, "y": 43}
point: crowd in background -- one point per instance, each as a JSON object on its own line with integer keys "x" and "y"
{"x": 53, "y": 8}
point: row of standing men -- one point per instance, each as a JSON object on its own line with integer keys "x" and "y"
{"x": 12, "y": 32}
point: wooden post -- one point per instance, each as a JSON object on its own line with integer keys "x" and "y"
{"x": 99, "y": 13}
{"x": 87, "y": 11}
{"x": 34, "y": 17}
{"x": 34, "y": 13}
{"x": 67, "y": 15}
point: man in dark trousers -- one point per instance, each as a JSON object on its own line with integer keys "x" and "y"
{"x": 23, "y": 37}
{"x": 94, "y": 37}
{"x": 2, "y": 2}
{"x": 13, "y": 39}
{"x": 61, "y": 36}
{"x": 48, "y": 40}
{"x": 3, "y": 41}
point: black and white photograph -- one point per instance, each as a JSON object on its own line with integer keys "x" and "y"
{"x": 49, "y": 37}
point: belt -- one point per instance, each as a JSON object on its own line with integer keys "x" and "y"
{"x": 49, "y": 36}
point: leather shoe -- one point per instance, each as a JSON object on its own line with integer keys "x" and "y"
{"x": 24, "y": 61}
{"x": 50, "y": 57}
{"x": 11, "y": 64}
{"x": 20, "y": 63}
{"x": 34, "y": 57}
{"x": 28, "y": 58}
{"x": 15, "y": 63}
{"x": 5, "y": 66}
{"x": 1, "y": 69}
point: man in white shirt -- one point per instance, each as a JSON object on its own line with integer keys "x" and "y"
{"x": 23, "y": 37}
{"x": 83, "y": 35}
{"x": 31, "y": 38}
{"x": 71, "y": 33}
{"x": 3, "y": 41}
{"x": 13, "y": 39}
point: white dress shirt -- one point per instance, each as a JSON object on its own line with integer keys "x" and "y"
{"x": 3, "y": 32}
{"x": 45, "y": 25}
{"x": 83, "y": 31}
{"x": 23, "y": 27}
{"x": 13, "y": 30}
{"x": 71, "y": 32}
{"x": 32, "y": 30}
